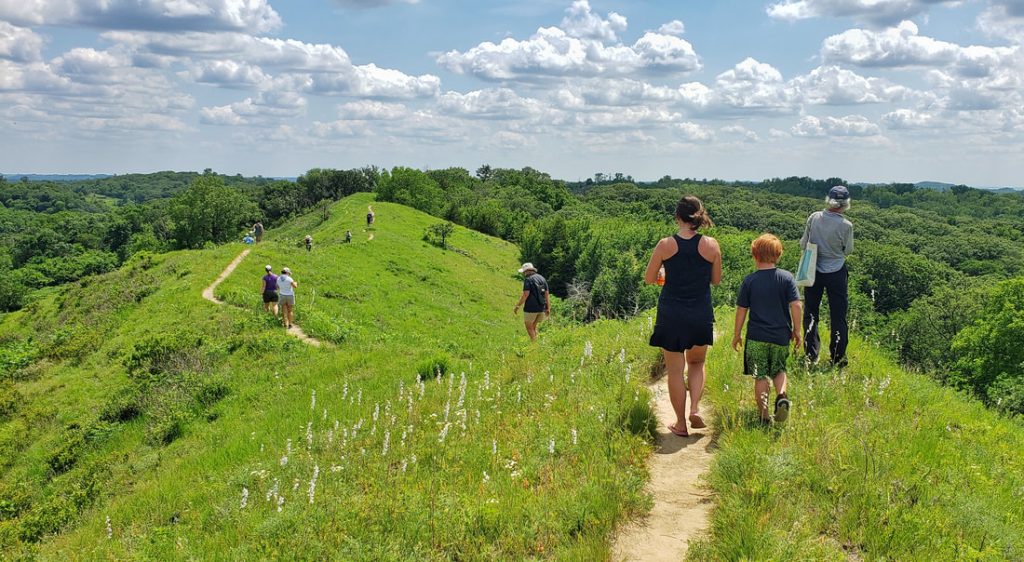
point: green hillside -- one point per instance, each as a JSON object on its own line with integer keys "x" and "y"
{"x": 875, "y": 464}
{"x": 139, "y": 421}
{"x": 140, "y": 402}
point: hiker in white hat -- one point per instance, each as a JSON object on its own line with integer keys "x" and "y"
{"x": 535, "y": 300}
{"x": 286, "y": 286}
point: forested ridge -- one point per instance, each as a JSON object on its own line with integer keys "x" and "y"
{"x": 928, "y": 264}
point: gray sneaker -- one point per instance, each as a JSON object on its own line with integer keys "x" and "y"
{"x": 782, "y": 405}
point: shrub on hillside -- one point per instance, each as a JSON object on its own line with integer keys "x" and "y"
{"x": 990, "y": 352}
{"x": 432, "y": 367}
{"x": 9, "y": 400}
{"x": 176, "y": 353}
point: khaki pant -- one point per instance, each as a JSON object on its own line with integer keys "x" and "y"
{"x": 531, "y": 317}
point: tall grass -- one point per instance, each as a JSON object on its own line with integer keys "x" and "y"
{"x": 518, "y": 451}
{"x": 875, "y": 463}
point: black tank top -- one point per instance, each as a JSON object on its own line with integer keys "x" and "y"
{"x": 688, "y": 276}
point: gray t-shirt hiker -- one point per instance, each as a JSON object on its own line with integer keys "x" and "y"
{"x": 833, "y": 234}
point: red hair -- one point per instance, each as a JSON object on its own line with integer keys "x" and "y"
{"x": 766, "y": 249}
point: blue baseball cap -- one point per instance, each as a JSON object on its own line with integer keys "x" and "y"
{"x": 839, "y": 193}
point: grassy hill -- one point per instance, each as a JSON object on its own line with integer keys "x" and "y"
{"x": 875, "y": 464}
{"x": 139, "y": 421}
{"x": 149, "y": 423}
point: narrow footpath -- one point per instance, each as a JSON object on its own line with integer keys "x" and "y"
{"x": 295, "y": 330}
{"x": 682, "y": 503}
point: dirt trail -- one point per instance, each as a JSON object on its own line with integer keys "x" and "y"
{"x": 681, "y": 502}
{"x": 208, "y": 295}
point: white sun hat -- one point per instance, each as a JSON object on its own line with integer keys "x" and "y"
{"x": 527, "y": 267}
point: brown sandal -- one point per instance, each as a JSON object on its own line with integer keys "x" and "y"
{"x": 697, "y": 422}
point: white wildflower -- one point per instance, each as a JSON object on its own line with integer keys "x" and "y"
{"x": 622, "y": 355}
{"x": 245, "y": 497}
{"x": 487, "y": 477}
{"x": 387, "y": 442}
{"x": 309, "y": 436}
{"x": 574, "y": 436}
{"x": 312, "y": 404}
{"x": 312, "y": 483}
{"x": 274, "y": 490}
{"x": 551, "y": 446}
{"x": 110, "y": 530}
{"x": 280, "y": 503}
{"x": 444, "y": 432}
{"x": 494, "y": 447}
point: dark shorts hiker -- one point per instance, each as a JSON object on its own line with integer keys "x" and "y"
{"x": 270, "y": 296}
{"x": 763, "y": 360}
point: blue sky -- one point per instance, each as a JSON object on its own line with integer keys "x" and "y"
{"x": 869, "y": 90}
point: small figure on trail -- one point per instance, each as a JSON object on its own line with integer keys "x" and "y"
{"x": 257, "y": 230}
{"x": 535, "y": 297}
{"x": 348, "y": 236}
{"x": 309, "y": 242}
{"x": 833, "y": 233}
{"x": 773, "y": 302}
{"x": 248, "y": 239}
{"x": 685, "y": 323}
{"x": 286, "y": 286}
{"x": 370, "y": 216}
{"x": 269, "y": 290}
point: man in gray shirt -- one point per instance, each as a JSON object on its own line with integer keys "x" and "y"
{"x": 833, "y": 234}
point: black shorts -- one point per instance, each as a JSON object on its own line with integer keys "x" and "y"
{"x": 270, "y": 296}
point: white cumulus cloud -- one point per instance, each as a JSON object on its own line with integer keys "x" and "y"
{"x": 902, "y": 46}
{"x": 878, "y": 12}
{"x": 848, "y": 126}
{"x": 585, "y": 45}
{"x": 19, "y": 43}
{"x": 254, "y": 15}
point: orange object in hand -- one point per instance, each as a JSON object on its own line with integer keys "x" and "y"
{"x": 661, "y": 276}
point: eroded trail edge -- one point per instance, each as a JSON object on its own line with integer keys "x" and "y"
{"x": 682, "y": 503}
{"x": 208, "y": 295}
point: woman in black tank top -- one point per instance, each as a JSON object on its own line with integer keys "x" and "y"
{"x": 685, "y": 326}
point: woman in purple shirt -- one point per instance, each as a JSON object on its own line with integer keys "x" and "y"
{"x": 269, "y": 291}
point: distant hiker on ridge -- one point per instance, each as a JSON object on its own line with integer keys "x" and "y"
{"x": 309, "y": 243}
{"x": 535, "y": 300}
{"x": 348, "y": 236}
{"x": 685, "y": 325}
{"x": 269, "y": 290}
{"x": 833, "y": 234}
{"x": 773, "y": 301}
{"x": 370, "y": 216}
{"x": 286, "y": 285}
{"x": 257, "y": 230}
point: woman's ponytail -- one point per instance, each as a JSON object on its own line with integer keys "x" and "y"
{"x": 691, "y": 211}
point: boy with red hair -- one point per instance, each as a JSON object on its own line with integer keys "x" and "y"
{"x": 773, "y": 302}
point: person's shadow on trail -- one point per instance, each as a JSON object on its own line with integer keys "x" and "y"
{"x": 667, "y": 443}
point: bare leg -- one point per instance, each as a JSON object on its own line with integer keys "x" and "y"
{"x": 780, "y": 382}
{"x": 675, "y": 363}
{"x": 761, "y": 388}
{"x": 695, "y": 375}
{"x": 531, "y": 330}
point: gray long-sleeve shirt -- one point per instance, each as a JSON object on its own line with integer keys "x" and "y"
{"x": 833, "y": 234}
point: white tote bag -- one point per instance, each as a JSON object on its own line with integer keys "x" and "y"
{"x": 808, "y": 266}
